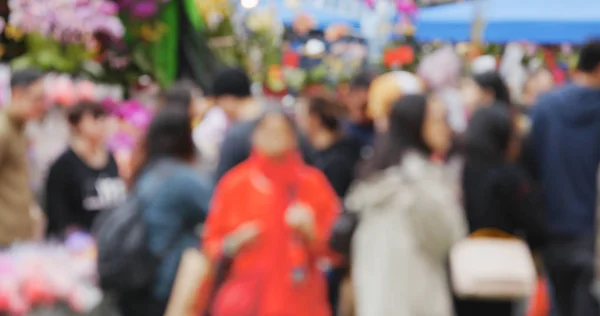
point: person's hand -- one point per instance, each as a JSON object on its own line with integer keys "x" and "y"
{"x": 39, "y": 222}
{"x": 300, "y": 217}
{"x": 242, "y": 236}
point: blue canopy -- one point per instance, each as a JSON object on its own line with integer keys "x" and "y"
{"x": 323, "y": 17}
{"x": 540, "y": 21}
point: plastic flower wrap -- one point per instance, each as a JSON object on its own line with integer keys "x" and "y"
{"x": 67, "y": 21}
{"x": 441, "y": 68}
{"x": 260, "y": 34}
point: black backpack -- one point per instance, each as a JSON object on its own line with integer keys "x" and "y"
{"x": 125, "y": 263}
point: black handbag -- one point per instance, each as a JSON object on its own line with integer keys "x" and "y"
{"x": 342, "y": 233}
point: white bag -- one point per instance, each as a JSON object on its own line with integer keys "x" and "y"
{"x": 492, "y": 269}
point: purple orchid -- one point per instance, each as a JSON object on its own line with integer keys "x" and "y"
{"x": 144, "y": 9}
{"x": 141, "y": 9}
{"x": 67, "y": 20}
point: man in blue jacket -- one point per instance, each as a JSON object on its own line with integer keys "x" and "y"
{"x": 563, "y": 154}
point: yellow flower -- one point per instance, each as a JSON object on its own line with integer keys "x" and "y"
{"x": 13, "y": 32}
{"x": 147, "y": 33}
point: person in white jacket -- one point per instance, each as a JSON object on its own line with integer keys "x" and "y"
{"x": 410, "y": 216}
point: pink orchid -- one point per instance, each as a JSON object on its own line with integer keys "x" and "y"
{"x": 406, "y": 6}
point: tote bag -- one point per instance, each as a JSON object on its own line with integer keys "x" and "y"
{"x": 492, "y": 265}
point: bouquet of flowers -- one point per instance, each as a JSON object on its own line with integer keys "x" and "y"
{"x": 62, "y": 34}
{"x": 220, "y": 30}
{"x": 261, "y": 34}
{"x": 36, "y": 275}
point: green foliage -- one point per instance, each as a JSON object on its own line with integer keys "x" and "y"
{"x": 50, "y": 55}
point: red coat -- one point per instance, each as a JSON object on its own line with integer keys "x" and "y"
{"x": 259, "y": 190}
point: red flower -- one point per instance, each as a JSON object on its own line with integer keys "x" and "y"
{"x": 399, "y": 56}
{"x": 291, "y": 59}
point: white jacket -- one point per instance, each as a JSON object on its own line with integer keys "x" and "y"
{"x": 410, "y": 217}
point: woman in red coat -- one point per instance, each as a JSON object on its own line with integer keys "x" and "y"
{"x": 272, "y": 216}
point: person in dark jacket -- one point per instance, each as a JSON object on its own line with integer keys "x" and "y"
{"x": 497, "y": 193}
{"x": 335, "y": 153}
{"x": 358, "y": 124}
{"x": 563, "y": 153}
{"x": 176, "y": 208}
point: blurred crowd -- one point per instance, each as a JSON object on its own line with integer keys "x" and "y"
{"x": 393, "y": 197}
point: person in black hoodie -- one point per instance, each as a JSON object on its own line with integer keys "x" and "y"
{"x": 563, "y": 154}
{"x": 335, "y": 154}
{"x": 497, "y": 192}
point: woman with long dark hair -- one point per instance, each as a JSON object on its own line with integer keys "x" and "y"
{"x": 485, "y": 89}
{"x": 178, "y": 205}
{"x": 336, "y": 155}
{"x": 498, "y": 194}
{"x": 409, "y": 215}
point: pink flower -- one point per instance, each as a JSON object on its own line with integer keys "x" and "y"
{"x": 144, "y": 9}
{"x": 406, "y": 6}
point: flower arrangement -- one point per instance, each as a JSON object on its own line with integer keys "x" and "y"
{"x": 66, "y": 21}
{"x": 126, "y": 60}
{"x": 37, "y": 275}
{"x": 260, "y": 34}
{"x": 61, "y": 35}
{"x": 219, "y": 17}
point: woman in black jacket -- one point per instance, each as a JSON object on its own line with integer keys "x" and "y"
{"x": 335, "y": 154}
{"x": 497, "y": 192}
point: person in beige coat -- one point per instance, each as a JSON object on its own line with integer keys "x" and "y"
{"x": 410, "y": 216}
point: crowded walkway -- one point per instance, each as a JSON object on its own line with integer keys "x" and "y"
{"x": 400, "y": 196}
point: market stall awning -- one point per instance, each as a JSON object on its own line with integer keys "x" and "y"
{"x": 540, "y": 21}
{"x": 323, "y": 16}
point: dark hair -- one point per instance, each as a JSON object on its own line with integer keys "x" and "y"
{"x": 589, "y": 57}
{"x": 231, "y": 82}
{"x": 169, "y": 136}
{"x": 327, "y": 110}
{"x": 24, "y": 78}
{"x": 179, "y": 94}
{"x": 492, "y": 80}
{"x": 488, "y": 135}
{"x": 76, "y": 113}
{"x": 362, "y": 80}
{"x": 404, "y": 133}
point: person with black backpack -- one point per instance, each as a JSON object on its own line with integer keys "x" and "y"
{"x": 140, "y": 243}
